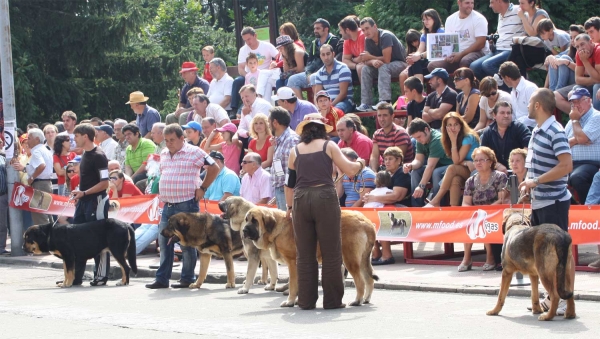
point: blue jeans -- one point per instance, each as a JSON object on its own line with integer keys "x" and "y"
{"x": 415, "y": 179}
{"x": 593, "y": 197}
{"x": 235, "y": 92}
{"x": 346, "y": 106}
{"x": 562, "y": 76}
{"x": 144, "y": 236}
{"x": 298, "y": 80}
{"x": 489, "y": 64}
{"x": 595, "y": 98}
{"x": 280, "y": 198}
{"x": 190, "y": 257}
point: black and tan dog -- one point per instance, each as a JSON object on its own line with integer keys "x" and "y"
{"x": 542, "y": 252}
{"x": 397, "y": 223}
{"x": 211, "y": 235}
{"x": 78, "y": 243}
{"x": 270, "y": 230}
{"x": 234, "y": 209}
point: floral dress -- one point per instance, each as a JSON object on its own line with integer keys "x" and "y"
{"x": 485, "y": 193}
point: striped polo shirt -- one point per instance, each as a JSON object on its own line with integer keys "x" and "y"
{"x": 546, "y": 144}
{"x": 331, "y": 82}
{"x": 396, "y": 137}
{"x": 509, "y": 26}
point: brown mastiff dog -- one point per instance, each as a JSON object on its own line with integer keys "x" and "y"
{"x": 211, "y": 235}
{"x": 542, "y": 252}
{"x": 234, "y": 209}
{"x": 270, "y": 230}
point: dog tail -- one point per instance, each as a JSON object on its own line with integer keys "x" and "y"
{"x": 131, "y": 256}
{"x": 563, "y": 250}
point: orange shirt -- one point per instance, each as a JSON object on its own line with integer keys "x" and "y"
{"x": 216, "y": 140}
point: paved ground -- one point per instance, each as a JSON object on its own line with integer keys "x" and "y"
{"x": 30, "y": 305}
{"x": 432, "y": 278}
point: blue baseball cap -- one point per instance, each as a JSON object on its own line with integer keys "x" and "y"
{"x": 579, "y": 93}
{"x": 193, "y": 125}
{"x": 438, "y": 72}
{"x": 76, "y": 160}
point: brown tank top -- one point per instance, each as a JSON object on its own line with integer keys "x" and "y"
{"x": 313, "y": 169}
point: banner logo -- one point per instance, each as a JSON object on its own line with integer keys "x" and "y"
{"x": 19, "y": 197}
{"x": 154, "y": 212}
{"x": 478, "y": 227}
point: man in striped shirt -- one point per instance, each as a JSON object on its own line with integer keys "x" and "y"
{"x": 180, "y": 189}
{"x": 335, "y": 78}
{"x": 389, "y": 135}
{"x": 549, "y": 163}
{"x": 509, "y": 26}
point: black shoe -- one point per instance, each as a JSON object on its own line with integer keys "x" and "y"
{"x": 99, "y": 282}
{"x": 181, "y": 285}
{"x": 156, "y": 285}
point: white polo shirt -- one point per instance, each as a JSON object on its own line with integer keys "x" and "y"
{"x": 108, "y": 146}
{"x": 40, "y": 155}
{"x": 260, "y": 105}
{"x": 214, "y": 111}
{"x": 509, "y": 26}
{"x": 219, "y": 89}
{"x": 519, "y": 99}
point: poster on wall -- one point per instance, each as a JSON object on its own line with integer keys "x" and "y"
{"x": 441, "y": 45}
{"x": 9, "y": 138}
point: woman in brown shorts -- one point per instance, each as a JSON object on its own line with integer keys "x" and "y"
{"x": 316, "y": 211}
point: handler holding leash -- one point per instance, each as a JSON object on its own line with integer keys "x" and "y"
{"x": 180, "y": 188}
{"x": 549, "y": 163}
{"x": 91, "y": 198}
{"x": 316, "y": 211}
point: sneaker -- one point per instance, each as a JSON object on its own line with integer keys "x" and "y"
{"x": 363, "y": 108}
{"x": 562, "y": 307}
{"x": 379, "y": 103}
{"x": 595, "y": 264}
{"x": 4, "y": 252}
{"x": 498, "y": 79}
{"x": 545, "y": 304}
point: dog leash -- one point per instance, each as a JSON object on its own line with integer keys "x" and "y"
{"x": 63, "y": 211}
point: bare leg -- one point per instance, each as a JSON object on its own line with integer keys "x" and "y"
{"x": 489, "y": 256}
{"x": 386, "y": 247}
{"x": 467, "y": 257}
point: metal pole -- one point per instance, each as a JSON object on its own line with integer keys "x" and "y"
{"x": 239, "y": 23}
{"x": 10, "y": 118}
{"x": 273, "y": 26}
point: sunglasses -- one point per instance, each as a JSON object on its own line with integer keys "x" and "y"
{"x": 247, "y": 162}
{"x": 491, "y": 94}
{"x": 70, "y": 171}
{"x": 459, "y": 78}
{"x": 113, "y": 178}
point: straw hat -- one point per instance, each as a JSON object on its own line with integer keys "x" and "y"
{"x": 136, "y": 97}
{"x": 314, "y": 118}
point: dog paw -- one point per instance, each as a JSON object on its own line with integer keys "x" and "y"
{"x": 492, "y": 312}
{"x": 545, "y": 317}
{"x": 367, "y": 301}
{"x": 355, "y": 303}
{"x": 261, "y": 282}
{"x": 120, "y": 283}
{"x": 194, "y": 285}
{"x": 570, "y": 315}
{"x": 537, "y": 310}
{"x": 269, "y": 287}
{"x": 63, "y": 285}
{"x": 287, "y": 303}
{"x": 243, "y": 291}
{"x": 230, "y": 285}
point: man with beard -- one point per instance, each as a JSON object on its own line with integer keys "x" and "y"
{"x": 441, "y": 101}
{"x": 335, "y": 78}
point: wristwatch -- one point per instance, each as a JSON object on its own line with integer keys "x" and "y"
{"x": 203, "y": 188}
{"x": 289, "y": 208}
{"x": 422, "y": 186}
{"x": 574, "y": 121}
{"x": 536, "y": 181}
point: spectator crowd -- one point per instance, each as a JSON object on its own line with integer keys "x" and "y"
{"x": 471, "y": 118}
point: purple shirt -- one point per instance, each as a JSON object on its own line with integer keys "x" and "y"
{"x": 303, "y": 108}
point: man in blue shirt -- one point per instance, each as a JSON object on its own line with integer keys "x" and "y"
{"x": 146, "y": 116}
{"x": 298, "y": 108}
{"x": 335, "y": 78}
{"x": 226, "y": 184}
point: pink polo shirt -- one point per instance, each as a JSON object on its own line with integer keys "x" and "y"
{"x": 256, "y": 187}
{"x": 361, "y": 144}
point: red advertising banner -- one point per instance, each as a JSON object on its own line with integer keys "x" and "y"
{"x": 478, "y": 224}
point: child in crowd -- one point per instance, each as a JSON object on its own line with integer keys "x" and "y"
{"x": 208, "y": 53}
{"x": 231, "y": 147}
{"x": 252, "y": 63}
{"x": 382, "y": 181}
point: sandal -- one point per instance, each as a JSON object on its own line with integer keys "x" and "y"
{"x": 380, "y": 261}
{"x": 489, "y": 267}
{"x": 464, "y": 268}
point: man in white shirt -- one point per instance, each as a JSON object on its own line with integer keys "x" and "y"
{"x": 509, "y": 26}
{"x": 522, "y": 89}
{"x": 256, "y": 183}
{"x": 204, "y": 108}
{"x": 252, "y": 105}
{"x": 39, "y": 172}
{"x": 471, "y": 27}
{"x": 219, "y": 91}
{"x": 265, "y": 53}
{"x": 105, "y": 141}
